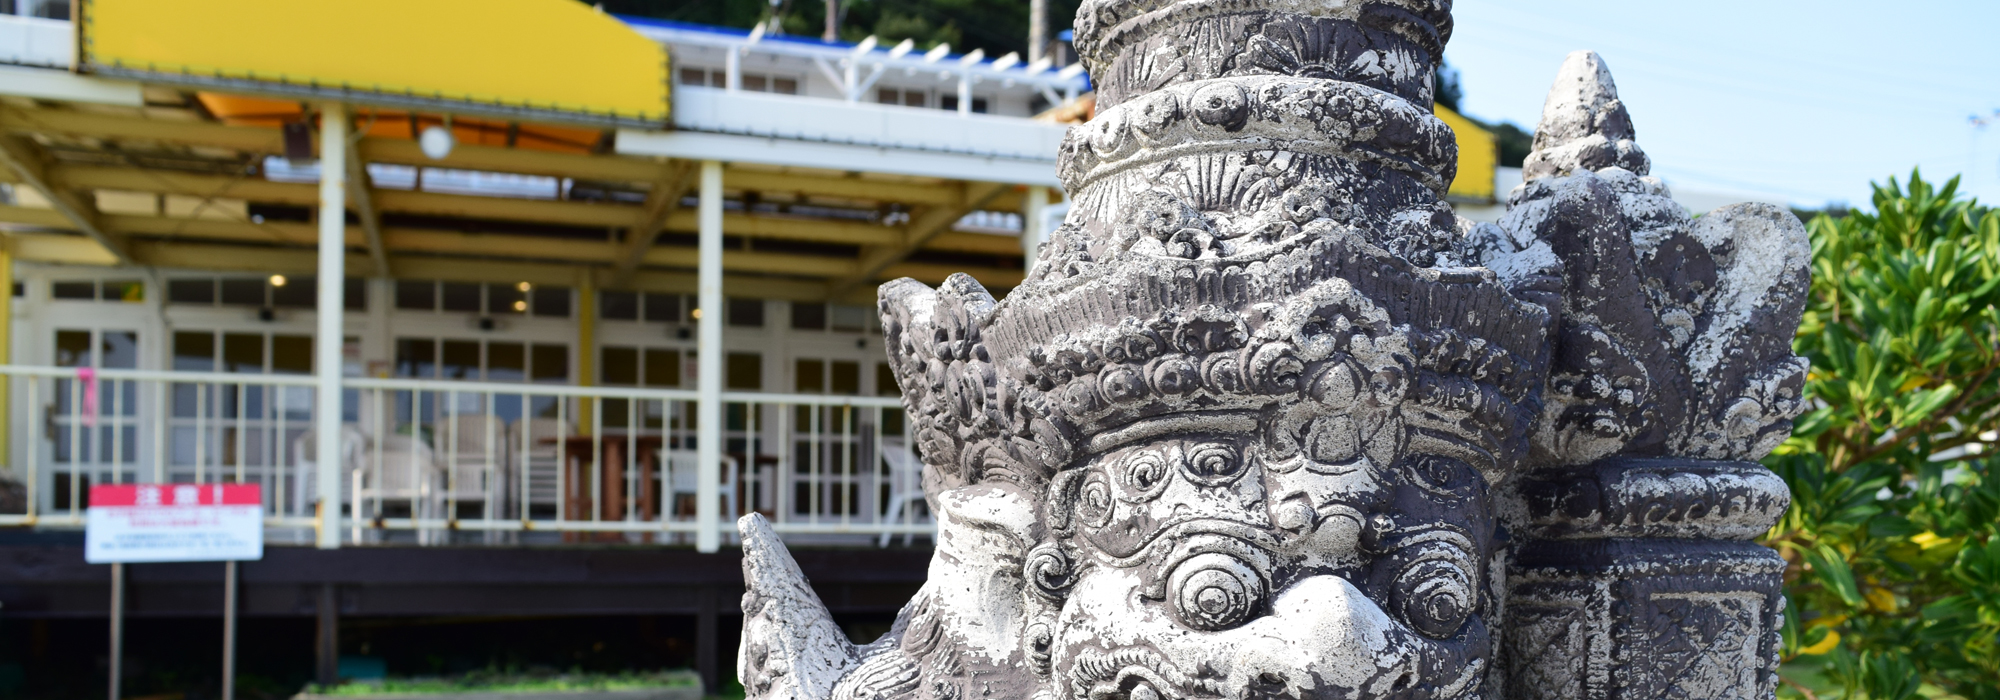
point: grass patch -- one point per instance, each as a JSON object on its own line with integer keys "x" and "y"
{"x": 505, "y": 682}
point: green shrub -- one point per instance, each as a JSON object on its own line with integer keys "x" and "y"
{"x": 1894, "y": 576}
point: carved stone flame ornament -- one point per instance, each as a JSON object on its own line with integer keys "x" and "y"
{"x": 1268, "y": 420}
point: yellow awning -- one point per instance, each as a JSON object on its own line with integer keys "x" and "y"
{"x": 1478, "y": 156}
{"x": 551, "y": 60}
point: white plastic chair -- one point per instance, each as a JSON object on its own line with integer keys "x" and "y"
{"x": 305, "y": 461}
{"x": 906, "y": 486}
{"x": 683, "y": 477}
{"x": 407, "y": 472}
{"x": 476, "y": 472}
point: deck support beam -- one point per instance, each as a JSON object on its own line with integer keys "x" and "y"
{"x": 363, "y": 193}
{"x": 662, "y": 201}
{"x": 923, "y": 227}
{"x": 708, "y": 412}
{"x": 331, "y": 334}
{"x": 20, "y": 155}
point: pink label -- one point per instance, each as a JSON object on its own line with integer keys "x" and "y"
{"x": 151, "y": 495}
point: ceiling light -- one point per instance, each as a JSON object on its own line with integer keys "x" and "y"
{"x": 435, "y": 142}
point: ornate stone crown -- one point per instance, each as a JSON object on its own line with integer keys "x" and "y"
{"x": 1252, "y": 233}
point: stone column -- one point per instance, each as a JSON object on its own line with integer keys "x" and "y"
{"x": 1633, "y": 576}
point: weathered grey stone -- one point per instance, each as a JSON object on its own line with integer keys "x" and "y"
{"x": 1268, "y": 420}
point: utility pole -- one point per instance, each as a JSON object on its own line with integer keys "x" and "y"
{"x": 1038, "y": 29}
{"x": 832, "y": 21}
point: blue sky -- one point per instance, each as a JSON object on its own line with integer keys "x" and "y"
{"x": 1804, "y": 100}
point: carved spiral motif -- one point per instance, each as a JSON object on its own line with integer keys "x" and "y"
{"x": 1040, "y": 642}
{"x": 1050, "y": 571}
{"x": 1214, "y": 591}
{"x": 1145, "y": 475}
{"x": 1435, "y": 596}
{"x": 1212, "y": 464}
{"x": 1093, "y": 503}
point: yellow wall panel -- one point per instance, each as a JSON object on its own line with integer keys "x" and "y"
{"x": 1478, "y": 156}
{"x": 544, "y": 55}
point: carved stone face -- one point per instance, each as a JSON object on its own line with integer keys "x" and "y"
{"x": 1201, "y": 563}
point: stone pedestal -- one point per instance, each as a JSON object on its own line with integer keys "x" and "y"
{"x": 1637, "y": 578}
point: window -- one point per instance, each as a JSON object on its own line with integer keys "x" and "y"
{"x": 745, "y": 371}
{"x": 814, "y": 376}
{"x": 808, "y": 316}
{"x": 619, "y": 366}
{"x": 486, "y": 299}
{"x": 131, "y": 291}
{"x": 746, "y": 313}
{"x": 551, "y": 302}
{"x": 114, "y": 430}
{"x": 507, "y": 298}
{"x": 631, "y": 366}
{"x": 753, "y": 82}
{"x": 808, "y": 376}
{"x": 416, "y": 295}
{"x": 950, "y": 102}
{"x": 649, "y": 367}
{"x": 618, "y": 306}
{"x": 663, "y": 367}
{"x": 852, "y": 319}
{"x": 633, "y": 306}
{"x": 481, "y": 360}
{"x": 84, "y": 291}
{"x": 885, "y": 385}
{"x": 550, "y": 364}
{"x": 243, "y": 291}
{"x": 885, "y": 381}
{"x": 906, "y": 98}
{"x": 664, "y": 308}
{"x": 476, "y": 360}
{"x": 460, "y": 296}
{"x": 300, "y": 292}
{"x": 191, "y": 291}
{"x": 844, "y": 377}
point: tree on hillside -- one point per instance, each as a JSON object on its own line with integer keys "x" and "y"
{"x": 1445, "y": 88}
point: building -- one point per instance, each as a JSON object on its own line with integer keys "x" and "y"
{"x": 584, "y": 289}
{"x": 575, "y": 292}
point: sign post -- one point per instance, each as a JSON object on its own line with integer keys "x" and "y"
{"x": 143, "y": 523}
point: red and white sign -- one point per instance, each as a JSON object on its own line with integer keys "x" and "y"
{"x": 174, "y": 522}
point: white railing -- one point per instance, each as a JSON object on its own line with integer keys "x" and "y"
{"x": 436, "y": 462}
{"x": 33, "y": 41}
{"x": 853, "y": 70}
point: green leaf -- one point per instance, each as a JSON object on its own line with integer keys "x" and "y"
{"x": 1833, "y": 572}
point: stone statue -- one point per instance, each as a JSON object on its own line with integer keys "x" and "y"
{"x": 1268, "y": 420}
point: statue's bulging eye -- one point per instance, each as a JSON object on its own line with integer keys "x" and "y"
{"x": 1215, "y": 591}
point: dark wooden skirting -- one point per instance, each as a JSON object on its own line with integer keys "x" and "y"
{"x": 52, "y": 580}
